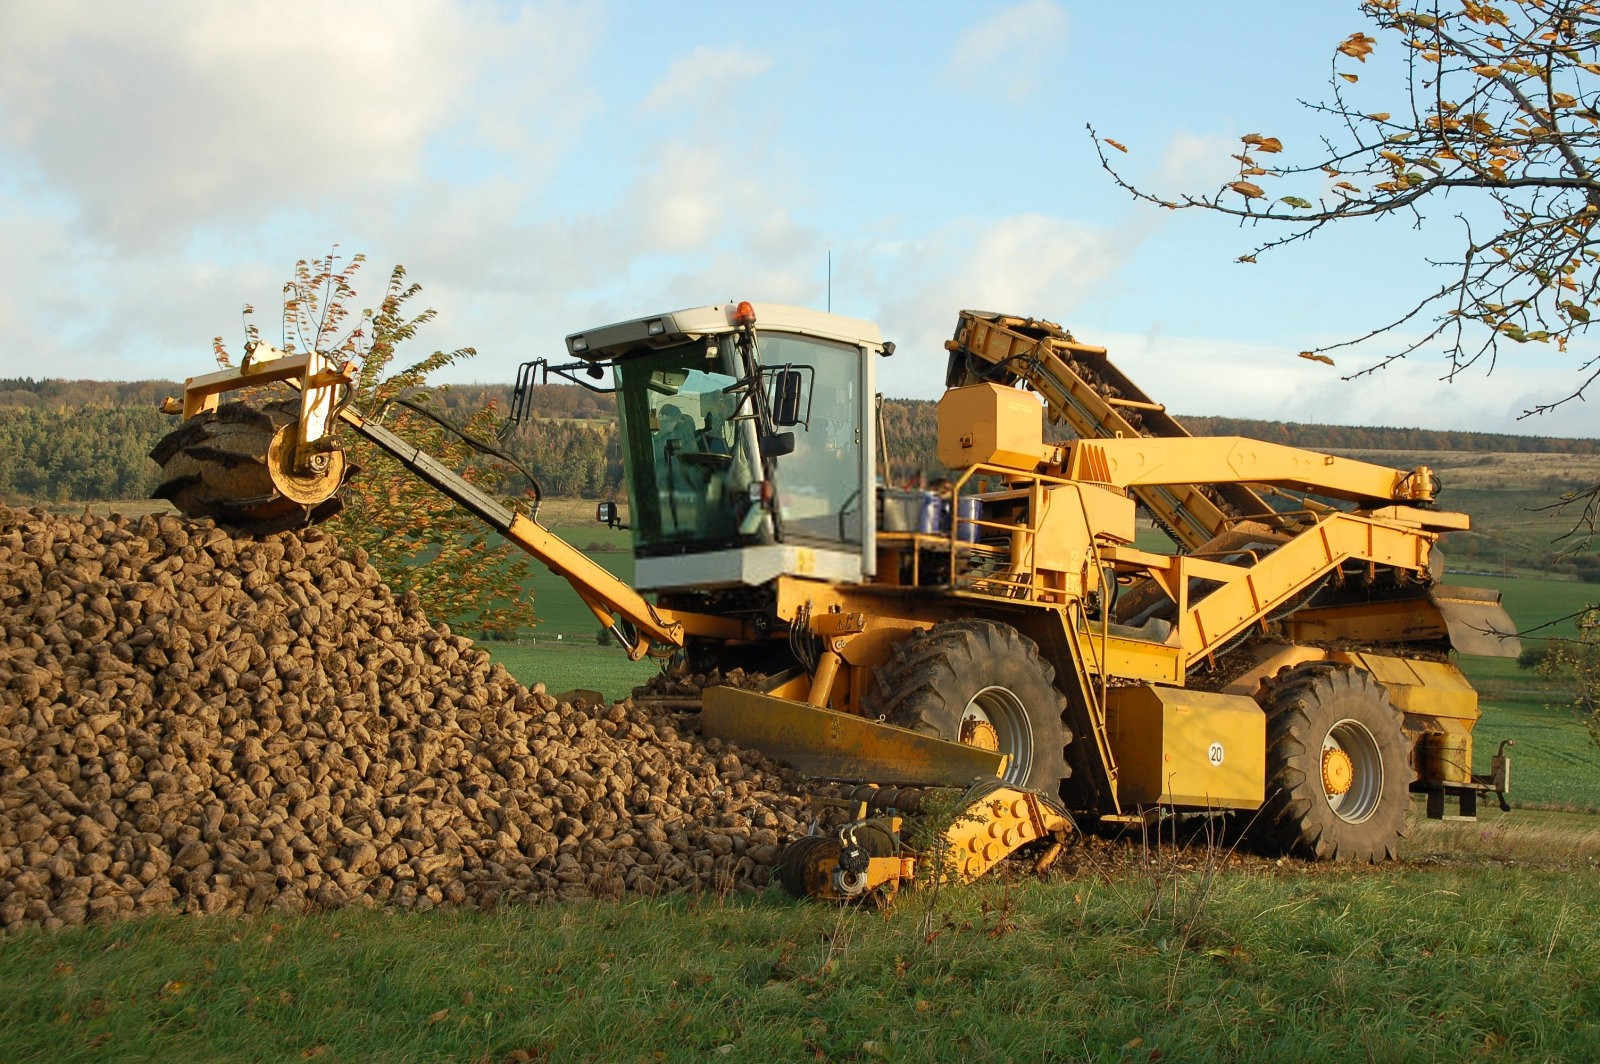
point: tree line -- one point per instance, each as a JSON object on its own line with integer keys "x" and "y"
{"x": 68, "y": 441}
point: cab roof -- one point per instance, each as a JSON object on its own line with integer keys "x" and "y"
{"x": 691, "y": 323}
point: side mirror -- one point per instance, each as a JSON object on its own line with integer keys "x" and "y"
{"x": 606, "y": 514}
{"x": 787, "y": 385}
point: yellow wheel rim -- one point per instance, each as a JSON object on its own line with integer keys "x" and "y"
{"x": 1337, "y": 771}
{"x": 980, "y": 733}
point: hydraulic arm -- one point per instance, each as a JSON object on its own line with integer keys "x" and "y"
{"x": 302, "y": 463}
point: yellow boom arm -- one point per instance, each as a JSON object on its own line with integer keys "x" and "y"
{"x": 611, "y": 600}
{"x": 1145, "y": 461}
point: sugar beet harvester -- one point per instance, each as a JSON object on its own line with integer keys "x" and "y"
{"x": 1290, "y": 660}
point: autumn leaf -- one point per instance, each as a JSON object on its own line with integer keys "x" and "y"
{"x": 1486, "y": 71}
{"x": 1315, "y": 356}
{"x": 1350, "y": 78}
{"x": 1245, "y": 258}
{"x": 1379, "y": 116}
{"x": 1296, "y": 201}
{"x": 1251, "y": 139}
{"x": 1117, "y": 145}
{"x": 1270, "y": 145}
{"x": 1347, "y": 186}
{"x": 1357, "y": 46}
{"x": 1247, "y": 190}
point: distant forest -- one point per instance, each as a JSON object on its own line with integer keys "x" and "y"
{"x": 66, "y": 441}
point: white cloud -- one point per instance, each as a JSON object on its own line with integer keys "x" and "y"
{"x": 161, "y": 165}
{"x": 1197, "y": 163}
{"x": 1030, "y": 264}
{"x": 1217, "y": 376}
{"x": 704, "y": 75}
{"x": 1008, "y": 48}
{"x": 156, "y": 119}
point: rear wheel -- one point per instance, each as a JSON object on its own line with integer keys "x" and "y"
{"x": 1338, "y": 771}
{"x": 232, "y": 464}
{"x": 982, "y": 683}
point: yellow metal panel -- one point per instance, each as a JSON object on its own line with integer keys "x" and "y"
{"x": 1061, "y": 543}
{"x": 1422, "y": 688}
{"x": 1397, "y": 621}
{"x": 828, "y": 744}
{"x": 1477, "y": 622}
{"x": 1133, "y": 659}
{"x": 1188, "y": 748}
{"x": 985, "y": 423}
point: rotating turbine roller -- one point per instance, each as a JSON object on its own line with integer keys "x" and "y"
{"x": 257, "y": 468}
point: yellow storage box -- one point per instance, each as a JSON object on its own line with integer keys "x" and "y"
{"x": 1196, "y": 749}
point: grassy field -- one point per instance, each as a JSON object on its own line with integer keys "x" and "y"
{"x": 1097, "y": 963}
{"x": 563, "y": 666}
{"x": 1542, "y": 607}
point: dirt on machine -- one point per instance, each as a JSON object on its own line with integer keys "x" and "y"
{"x": 1002, "y": 642}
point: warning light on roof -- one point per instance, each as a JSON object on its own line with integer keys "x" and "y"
{"x": 744, "y": 313}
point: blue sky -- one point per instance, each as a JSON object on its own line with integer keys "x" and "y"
{"x": 545, "y": 168}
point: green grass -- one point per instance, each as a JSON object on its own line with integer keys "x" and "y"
{"x": 1390, "y": 964}
{"x": 559, "y": 609}
{"x": 562, "y": 666}
{"x": 1541, "y": 606}
{"x": 1555, "y": 762}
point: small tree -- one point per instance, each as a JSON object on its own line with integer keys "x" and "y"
{"x": 418, "y": 539}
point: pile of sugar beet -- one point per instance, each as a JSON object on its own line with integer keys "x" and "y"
{"x": 199, "y": 723}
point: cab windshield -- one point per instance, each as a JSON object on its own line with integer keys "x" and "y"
{"x": 691, "y": 452}
{"x": 689, "y": 461}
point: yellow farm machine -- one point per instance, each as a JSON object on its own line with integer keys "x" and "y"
{"x": 1002, "y": 637}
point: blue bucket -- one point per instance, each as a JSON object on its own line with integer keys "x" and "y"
{"x": 968, "y": 510}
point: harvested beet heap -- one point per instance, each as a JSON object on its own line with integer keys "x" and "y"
{"x": 194, "y": 722}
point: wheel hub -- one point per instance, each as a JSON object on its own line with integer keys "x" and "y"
{"x": 1337, "y": 771}
{"x": 980, "y": 733}
{"x": 994, "y": 719}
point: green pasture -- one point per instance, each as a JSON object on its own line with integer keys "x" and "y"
{"x": 1137, "y": 957}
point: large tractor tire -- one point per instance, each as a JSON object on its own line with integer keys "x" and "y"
{"x": 979, "y": 682}
{"x": 232, "y": 464}
{"x": 1338, "y": 765}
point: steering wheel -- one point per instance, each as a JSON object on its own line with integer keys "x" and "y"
{"x": 705, "y": 459}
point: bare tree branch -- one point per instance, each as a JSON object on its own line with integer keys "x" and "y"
{"x": 1501, "y": 118}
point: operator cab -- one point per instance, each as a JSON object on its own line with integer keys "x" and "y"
{"x": 747, "y": 441}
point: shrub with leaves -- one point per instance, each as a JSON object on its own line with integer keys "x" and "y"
{"x": 418, "y": 539}
{"x": 1577, "y": 661}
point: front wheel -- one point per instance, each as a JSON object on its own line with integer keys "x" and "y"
{"x": 982, "y": 683}
{"x": 1338, "y": 766}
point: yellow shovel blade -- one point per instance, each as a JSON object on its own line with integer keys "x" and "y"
{"x": 828, "y": 744}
